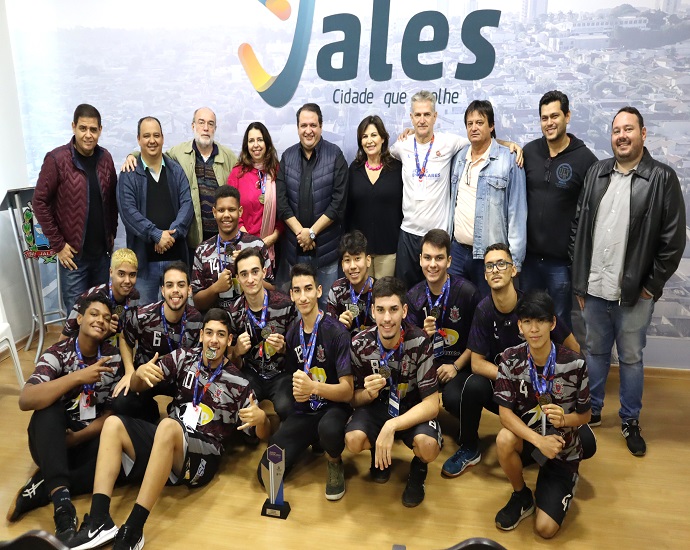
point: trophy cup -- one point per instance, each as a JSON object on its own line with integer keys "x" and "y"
{"x": 275, "y": 506}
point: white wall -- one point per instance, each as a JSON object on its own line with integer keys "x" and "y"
{"x": 13, "y": 175}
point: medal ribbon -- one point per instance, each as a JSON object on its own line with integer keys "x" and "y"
{"x": 264, "y": 309}
{"x": 308, "y": 354}
{"x": 223, "y": 262}
{"x": 543, "y": 384}
{"x": 260, "y": 324}
{"x": 166, "y": 330}
{"x": 355, "y": 299}
{"x": 121, "y": 320}
{"x": 443, "y": 297}
{"x": 386, "y": 355}
{"x": 421, "y": 171}
{"x": 196, "y": 398}
{"x": 87, "y": 389}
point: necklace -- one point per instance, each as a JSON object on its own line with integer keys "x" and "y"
{"x": 373, "y": 168}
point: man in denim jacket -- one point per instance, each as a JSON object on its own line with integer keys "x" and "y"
{"x": 488, "y": 198}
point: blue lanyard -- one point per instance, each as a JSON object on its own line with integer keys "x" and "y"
{"x": 308, "y": 352}
{"x": 196, "y": 398}
{"x": 166, "y": 330}
{"x": 121, "y": 320}
{"x": 355, "y": 299}
{"x": 262, "y": 181}
{"x": 86, "y": 388}
{"x": 543, "y": 384}
{"x": 223, "y": 262}
{"x": 445, "y": 293}
{"x": 421, "y": 171}
{"x": 386, "y": 355}
{"x": 264, "y": 309}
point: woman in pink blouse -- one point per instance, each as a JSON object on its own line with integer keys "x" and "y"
{"x": 254, "y": 176}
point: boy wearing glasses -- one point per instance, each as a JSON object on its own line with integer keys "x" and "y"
{"x": 494, "y": 328}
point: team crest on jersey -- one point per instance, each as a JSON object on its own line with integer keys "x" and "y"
{"x": 404, "y": 366}
{"x": 454, "y": 314}
{"x": 375, "y": 365}
{"x": 558, "y": 389}
{"x": 320, "y": 354}
{"x": 217, "y": 394}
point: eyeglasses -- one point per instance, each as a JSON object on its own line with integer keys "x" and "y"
{"x": 501, "y": 265}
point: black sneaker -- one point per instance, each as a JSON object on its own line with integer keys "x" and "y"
{"x": 377, "y": 474}
{"x": 413, "y": 495}
{"x": 128, "y": 539}
{"x": 93, "y": 534}
{"x": 631, "y": 432}
{"x": 520, "y": 506}
{"x": 31, "y": 496}
{"x": 65, "y": 522}
{"x": 595, "y": 420}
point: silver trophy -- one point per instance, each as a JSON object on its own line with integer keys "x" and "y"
{"x": 275, "y": 506}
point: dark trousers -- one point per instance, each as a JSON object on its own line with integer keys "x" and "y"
{"x": 464, "y": 397}
{"x": 325, "y": 426}
{"x": 407, "y": 267}
{"x": 278, "y": 390}
{"x": 73, "y": 468}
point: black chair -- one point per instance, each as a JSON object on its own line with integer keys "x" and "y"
{"x": 477, "y": 543}
{"x": 33, "y": 540}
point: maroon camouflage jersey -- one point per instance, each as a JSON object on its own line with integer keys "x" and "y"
{"x": 412, "y": 369}
{"x": 123, "y": 311}
{"x": 331, "y": 360}
{"x": 147, "y": 330}
{"x": 279, "y": 314}
{"x": 513, "y": 390}
{"x": 220, "y": 404}
{"x": 61, "y": 359}
{"x": 493, "y": 332}
{"x": 456, "y": 317}
{"x": 339, "y": 298}
{"x": 207, "y": 266}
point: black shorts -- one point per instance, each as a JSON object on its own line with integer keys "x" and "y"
{"x": 555, "y": 490}
{"x": 371, "y": 418}
{"x": 201, "y": 459}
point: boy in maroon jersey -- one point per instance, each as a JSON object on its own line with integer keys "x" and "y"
{"x": 542, "y": 391}
{"x": 396, "y": 391}
{"x": 211, "y": 401}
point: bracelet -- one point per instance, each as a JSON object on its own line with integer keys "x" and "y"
{"x": 457, "y": 369}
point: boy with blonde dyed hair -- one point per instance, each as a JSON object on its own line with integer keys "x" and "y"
{"x": 119, "y": 289}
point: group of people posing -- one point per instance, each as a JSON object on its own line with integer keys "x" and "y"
{"x": 355, "y": 301}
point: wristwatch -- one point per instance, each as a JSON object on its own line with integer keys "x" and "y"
{"x": 312, "y": 235}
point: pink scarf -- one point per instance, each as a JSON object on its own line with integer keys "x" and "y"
{"x": 268, "y": 221}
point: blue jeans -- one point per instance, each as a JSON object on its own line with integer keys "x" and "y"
{"x": 89, "y": 273}
{"x": 554, "y": 277}
{"x": 149, "y": 285}
{"x": 325, "y": 276}
{"x": 466, "y": 266}
{"x": 606, "y": 322}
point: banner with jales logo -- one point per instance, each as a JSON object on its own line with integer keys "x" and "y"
{"x": 262, "y": 59}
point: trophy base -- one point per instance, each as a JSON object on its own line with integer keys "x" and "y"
{"x": 281, "y": 511}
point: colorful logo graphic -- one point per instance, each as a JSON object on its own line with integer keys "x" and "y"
{"x": 37, "y": 245}
{"x": 278, "y": 90}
